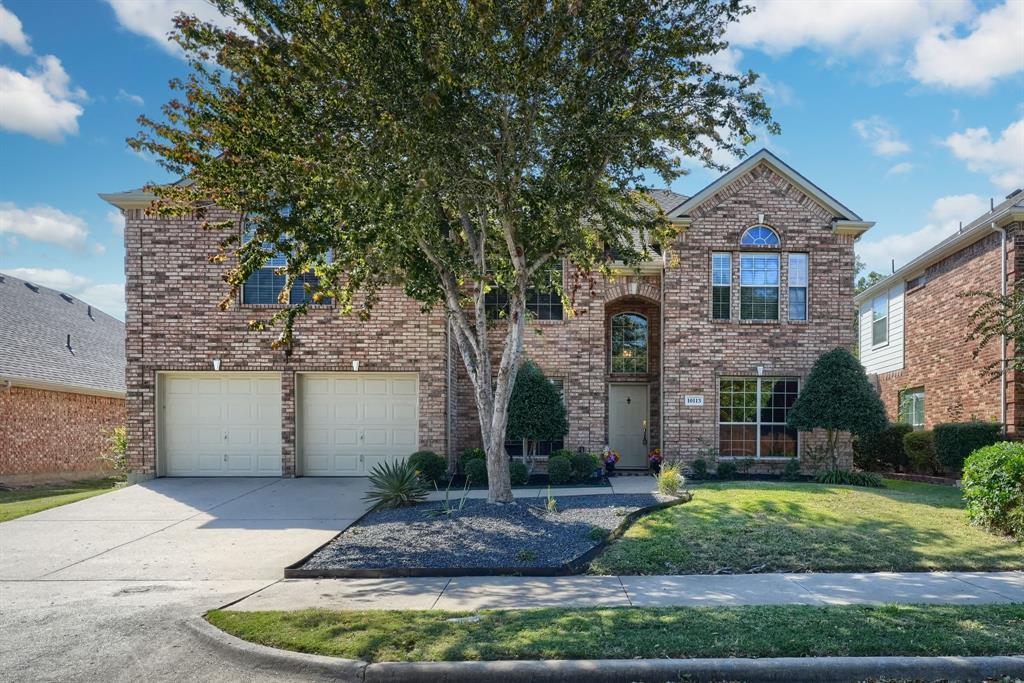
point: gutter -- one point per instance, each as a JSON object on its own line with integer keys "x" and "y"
{"x": 43, "y": 385}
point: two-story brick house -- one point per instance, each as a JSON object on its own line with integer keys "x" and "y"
{"x": 679, "y": 354}
{"x": 914, "y": 326}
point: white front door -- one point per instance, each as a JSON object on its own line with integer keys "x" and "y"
{"x": 628, "y": 423}
{"x": 351, "y": 421}
{"x": 220, "y": 424}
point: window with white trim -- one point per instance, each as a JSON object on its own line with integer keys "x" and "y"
{"x": 752, "y": 414}
{"x": 721, "y": 286}
{"x": 798, "y": 286}
{"x": 760, "y": 236}
{"x": 880, "y": 320}
{"x": 911, "y": 403}
{"x": 629, "y": 343}
{"x": 759, "y": 286}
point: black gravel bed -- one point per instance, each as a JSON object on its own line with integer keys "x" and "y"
{"x": 480, "y": 537}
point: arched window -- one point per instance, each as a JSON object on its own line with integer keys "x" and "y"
{"x": 629, "y": 343}
{"x": 760, "y": 236}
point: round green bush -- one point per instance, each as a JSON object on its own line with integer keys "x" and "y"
{"x": 920, "y": 450}
{"x": 430, "y": 466}
{"x": 476, "y": 472}
{"x": 468, "y": 455}
{"x": 519, "y": 473}
{"x": 699, "y": 468}
{"x": 559, "y": 469}
{"x": 883, "y": 449}
{"x": 583, "y": 465}
{"x": 993, "y": 488}
{"x": 727, "y": 470}
{"x": 954, "y": 441}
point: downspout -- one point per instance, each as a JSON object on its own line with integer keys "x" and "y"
{"x": 661, "y": 356}
{"x": 1002, "y": 345}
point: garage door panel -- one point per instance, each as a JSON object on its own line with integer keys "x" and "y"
{"x": 216, "y": 424}
{"x": 366, "y": 419}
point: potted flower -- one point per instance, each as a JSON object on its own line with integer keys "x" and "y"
{"x": 609, "y": 458}
{"x": 654, "y": 460}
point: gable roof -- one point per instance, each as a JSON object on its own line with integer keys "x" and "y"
{"x": 1009, "y": 210}
{"x": 668, "y": 200}
{"x": 846, "y": 218}
{"x": 35, "y": 323}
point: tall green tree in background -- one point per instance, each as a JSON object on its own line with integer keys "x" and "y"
{"x": 536, "y": 411}
{"x": 446, "y": 147}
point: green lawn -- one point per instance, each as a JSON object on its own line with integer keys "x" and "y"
{"x": 626, "y": 632}
{"x": 776, "y": 527}
{"x": 21, "y": 502}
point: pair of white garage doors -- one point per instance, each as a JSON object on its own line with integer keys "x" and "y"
{"x": 229, "y": 423}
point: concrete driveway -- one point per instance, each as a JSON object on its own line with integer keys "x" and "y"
{"x": 98, "y": 590}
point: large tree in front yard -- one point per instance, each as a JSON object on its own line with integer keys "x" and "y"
{"x": 448, "y": 147}
{"x": 838, "y": 397}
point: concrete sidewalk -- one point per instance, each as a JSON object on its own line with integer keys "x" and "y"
{"x": 511, "y": 592}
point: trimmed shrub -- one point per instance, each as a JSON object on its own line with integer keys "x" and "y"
{"x": 839, "y": 476}
{"x": 561, "y": 452}
{"x": 536, "y": 411}
{"x": 954, "y": 441}
{"x": 882, "y": 450}
{"x": 791, "y": 471}
{"x": 471, "y": 454}
{"x": 726, "y": 470}
{"x": 699, "y": 467}
{"x": 583, "y": 465}
{"x": 993, "y": 487}
{"x": 559, "y": 469}
{"x": 920, "y": 450}
{"x": 519, "y": 473}
{"x": 430, "y": 466}
{"x": 476, "y": 472}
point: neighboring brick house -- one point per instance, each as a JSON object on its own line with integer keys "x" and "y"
{"x": 914, "y": 326}
{"x": 61, "y": 383}
{"x": 677, "y": 355}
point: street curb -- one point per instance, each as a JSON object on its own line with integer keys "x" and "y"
{"x": 771, "y": 670}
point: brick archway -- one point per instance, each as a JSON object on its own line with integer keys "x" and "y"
{"x": 632, "y": 289}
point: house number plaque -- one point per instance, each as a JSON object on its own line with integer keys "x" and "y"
{"x": 693, "y": 400}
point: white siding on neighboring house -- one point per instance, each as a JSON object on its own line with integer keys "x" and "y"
{"x": 888, "y": 356}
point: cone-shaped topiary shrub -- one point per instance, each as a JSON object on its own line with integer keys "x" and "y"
{"x": 535, "y": 411}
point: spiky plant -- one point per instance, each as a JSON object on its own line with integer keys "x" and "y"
{"x": 395, "y": 485}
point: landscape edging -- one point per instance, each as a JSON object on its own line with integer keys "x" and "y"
{"x": 575, "y": 566}
{"x": 766, "y": 670}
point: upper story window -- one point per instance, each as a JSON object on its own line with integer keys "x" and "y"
{"x": 264, "y": 285}
{"x": 759, "y": 286}
{"x": 798, "y": 286}
{"x": 760, "y": 236}
{"x": 880, "y": 320}
{"x": 629, "y": 343}
{"x": 543, "y": 303}
{"x": 721, "y": 286}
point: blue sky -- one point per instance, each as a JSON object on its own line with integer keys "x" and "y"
{"x": 909, "y": 112}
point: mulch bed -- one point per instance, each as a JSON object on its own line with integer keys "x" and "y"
{"x": 480, "y": 539}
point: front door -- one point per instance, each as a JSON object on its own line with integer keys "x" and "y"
{"x": 629, "y": 422}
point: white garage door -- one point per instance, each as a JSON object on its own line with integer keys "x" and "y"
{"x": 216, "y": 424}
{"x": 349, "y": 421}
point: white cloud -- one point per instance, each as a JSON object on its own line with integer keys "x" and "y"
{"x": 1001, "y": 159}
{"x": 125, "y": 96}
{"x": 44, "y": 224}
{"x": 900, "y": 169}
{"x": 109, "y": 298}
{"x": 993, "y": 48}
{"x": 726, "y": 61}
{"x": 116, "y": 220}
{"x": 40, "y": 102}
{"x": 943, "y": 220}
{"x": 881, "y": 136}
{"x": 11, "y": 33}
{"x": 154, "y": 19}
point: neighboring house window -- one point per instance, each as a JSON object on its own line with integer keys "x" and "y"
{"x": 760, "y": 236}
{"x": 629, "y": 343}
{"x": 759, "y": 286}
{"x": 721, "y": 286}
{"x": 752, "y": 414}
{"x": 516, "y": 448}
{"x": 544, "y": 304}
{"x": 798, "y": 286}
{"x": 912, "y": 407}
{"x": 264, "y": 285}
{"x": 880, "y": 320}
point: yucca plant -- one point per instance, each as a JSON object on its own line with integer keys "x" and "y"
{"x": 394, "y": 485}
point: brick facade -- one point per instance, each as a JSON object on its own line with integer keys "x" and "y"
{"x": 54, "y": 434}
{"x": 174, "y": 323}
{"x": 938, "y": 356}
